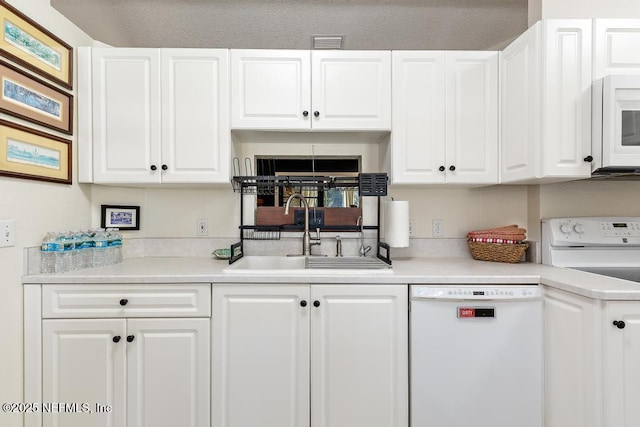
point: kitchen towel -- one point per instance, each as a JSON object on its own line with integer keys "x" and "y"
{"x": 508, "y": 234}
{"x": 396, "y": 223}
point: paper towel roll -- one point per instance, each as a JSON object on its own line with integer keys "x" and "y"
{"x": 396, "y": 223}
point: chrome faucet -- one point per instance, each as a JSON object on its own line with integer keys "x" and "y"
{"x": 363, "y": 249}
{"x": 307, "y": 240}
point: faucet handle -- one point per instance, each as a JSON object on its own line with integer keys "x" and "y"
{"x": 338, "y": 246}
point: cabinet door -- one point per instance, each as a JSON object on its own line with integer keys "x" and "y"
{"x": 195, "y": 120}
{"x": 351, "y": 90}
{"x": 359, "y": 372}
{"x": 617, "y": 43}
{"x": 81, "y": 364}
{"x": 621, "y": 391}
{"x": 520, "y": 125}
{"x": 566, "y": 112}
{"x": 168, "y": 372}
{"x": 260, "y": 356}
{"x": 418, "y": 137}
{"x": 126, "y": 115}
{"x": 472, "y": 117}
{"x": 270, "y": 89}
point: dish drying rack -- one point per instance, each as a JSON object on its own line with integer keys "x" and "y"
{"x": 368, "y": 184}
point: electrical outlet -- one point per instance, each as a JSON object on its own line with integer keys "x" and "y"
{"x": 412, "y": 227}
{"x": 437, "y": 227}
{"x": 202, "y": 229}
{"x": 7, "y": 233}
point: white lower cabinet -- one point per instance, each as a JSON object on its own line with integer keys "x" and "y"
{"x": 592, "y": 361}
{"x": 310, "y": 355}
{"x": 126, "y": 370}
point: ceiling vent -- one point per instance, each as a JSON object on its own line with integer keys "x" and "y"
{"x": 327, "y": 42}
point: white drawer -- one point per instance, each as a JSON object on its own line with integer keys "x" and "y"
{"x": 91, "y": 301}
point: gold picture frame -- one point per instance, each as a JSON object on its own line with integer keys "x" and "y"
{"x": 29, "y": 98}
{"x": 27, "y": 43}
{"x": 31, "y": 154}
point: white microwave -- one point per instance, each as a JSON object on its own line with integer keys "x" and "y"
{"x": 616, "y": 124}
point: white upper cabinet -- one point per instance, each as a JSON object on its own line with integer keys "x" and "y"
{"x": 302, "y": 90}
{"x": 445, "y": 117}
{"x": 546, "y": 103}
{"x": 616, "y": 47}
{"x": 154, "y": 116}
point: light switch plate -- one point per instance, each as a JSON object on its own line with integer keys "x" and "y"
{"x": 7, "y": 233}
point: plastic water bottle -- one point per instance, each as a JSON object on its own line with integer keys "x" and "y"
{"x": 118, "y": 245}
{"x": 48, "y": 253}
{"x": 100, "y": 248}
{"x": 111, "y": 246}
{"x": 64, "y": 252}
{"x": 84, "y": 246}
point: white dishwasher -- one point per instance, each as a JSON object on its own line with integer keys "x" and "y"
{"x": 476, "y": 356}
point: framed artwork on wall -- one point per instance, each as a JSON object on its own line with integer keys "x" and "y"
{"x": 34, "y": 100}
{"x": 27, "y": 43}
{"x": 31, "y": 154}
{"x": 121, "y": 217}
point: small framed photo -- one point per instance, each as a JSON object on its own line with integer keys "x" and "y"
{"x": 122, "y": 217}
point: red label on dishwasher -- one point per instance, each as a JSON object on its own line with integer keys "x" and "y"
{"x": 466, "y": 312}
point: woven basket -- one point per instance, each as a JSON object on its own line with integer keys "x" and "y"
{"x": 498, "y": 252}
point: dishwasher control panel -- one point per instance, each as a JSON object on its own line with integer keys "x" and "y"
{"x": 473, "y": 292}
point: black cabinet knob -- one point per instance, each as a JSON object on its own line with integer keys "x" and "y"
{"x": 116, "y": 339}
{"x": 316, "y": 114}
{"x": 619, "y": 324}
{"x": 303, "y": 303}
{"x": 452, "y": 168}
{"x": 130, "y": 338}
{"x": 305, "y": 113}
{"x": 441, "y": 168}
{"x": 124, "y": 302}
{"x": 588, "y": 159}
{"x": 165, "y": 167}
{"x": 316, "y": 303}
{"x": 154, "y": 167}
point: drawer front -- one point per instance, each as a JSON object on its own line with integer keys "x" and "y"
{"x": 91, "y": 301}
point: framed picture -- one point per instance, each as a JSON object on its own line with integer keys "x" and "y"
{"x": 122, "y": 217}
{"x": 32, "y": 99}
{"x": 28, "y": 153}
{"x": 27, "y": 43}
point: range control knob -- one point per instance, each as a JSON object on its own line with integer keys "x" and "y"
{"x": 565, "y": 228}
{"x": 578, "y": 228}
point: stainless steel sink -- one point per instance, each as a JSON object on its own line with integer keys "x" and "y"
{"x": 309, "y": 265}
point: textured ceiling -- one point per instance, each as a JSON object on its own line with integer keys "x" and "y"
{"x": 366, "y": 24}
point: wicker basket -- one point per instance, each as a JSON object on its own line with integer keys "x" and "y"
{"x": 498, "y": 252}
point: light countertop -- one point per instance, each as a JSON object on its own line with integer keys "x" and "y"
{"x": 405, "y": 271}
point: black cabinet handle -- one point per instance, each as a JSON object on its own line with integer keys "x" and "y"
{"x": 316, "y": 114}
{"x": 305, "y": 113}
{"x": 124, "y": 302}
{"x": 316, "y": 303}
{"x": 130, "y": 338}
{"x": 153, "y": 167}
{"x": 303, "y": 303}
{"x": 588, "y": 159}
{"x": 441, "y": 168}
{"x": 165, "y": 167}
{"x": 619, "y": 324}
{"x": 452, "y": 168}
{"x": 116, "y": 339}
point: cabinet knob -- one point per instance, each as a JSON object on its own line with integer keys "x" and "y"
{"x": 116, "y": 339}
{"x": 316, "y": 303}
{"x": 316, "y": 114}
{"x": 124, "y": 302}
{"x": 588, "y": 159}
{"x": 305, "y": 113}
{"x": 154, "y": 167}
{"x": 303, "y": 303}
{"x": 165, "y": 167}
{"x": 130, "y": 338}
{"x": 619, "y": 324}
{"x": 441, "y": 168}
{"x": 452, "y": 168}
